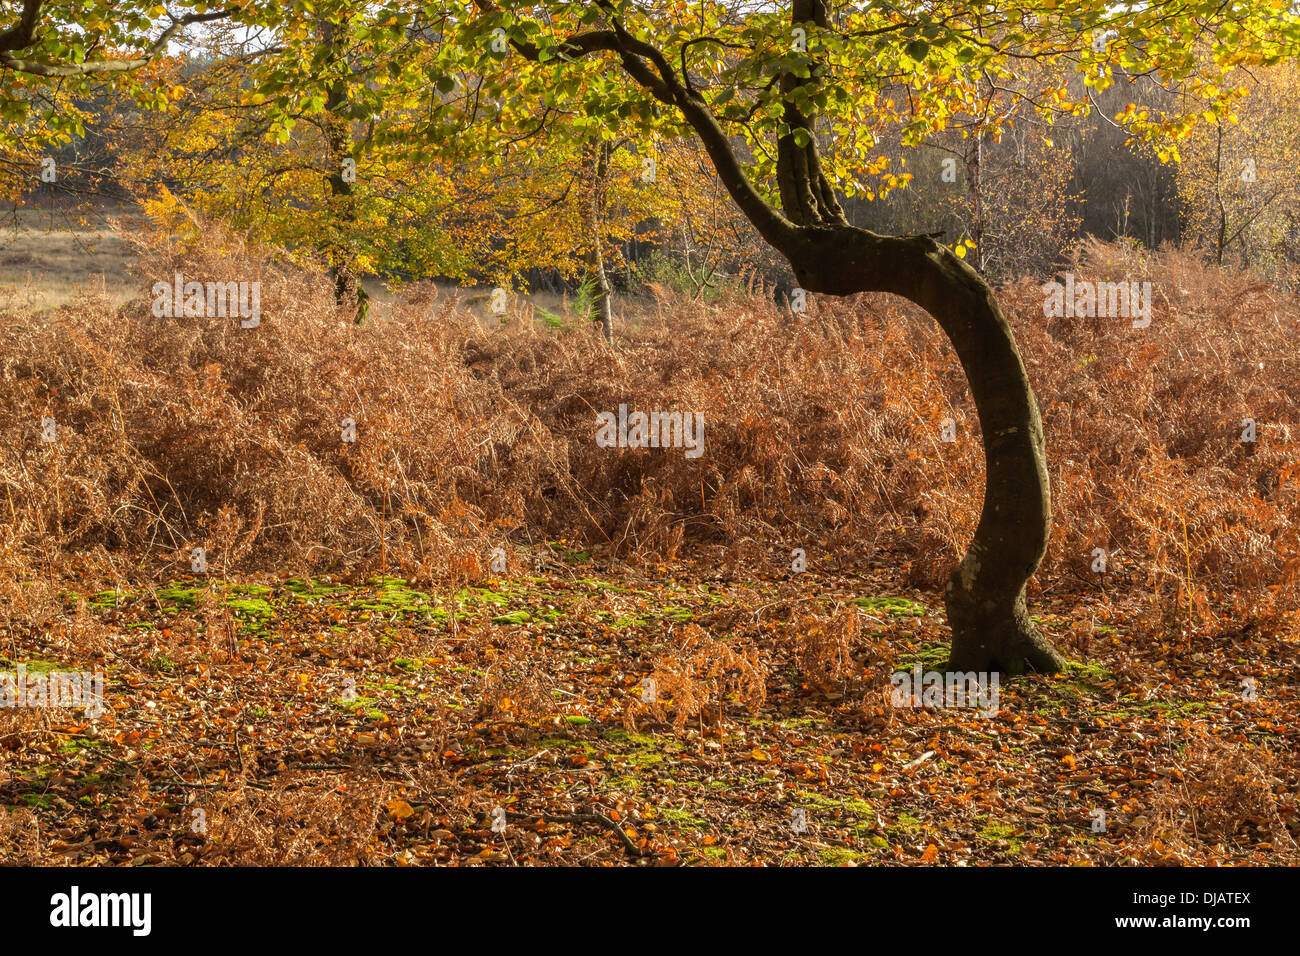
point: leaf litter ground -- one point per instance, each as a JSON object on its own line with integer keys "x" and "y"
{"x": 332, "y": 722}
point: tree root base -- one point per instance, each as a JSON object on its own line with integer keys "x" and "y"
{"x": 997, "y": 638}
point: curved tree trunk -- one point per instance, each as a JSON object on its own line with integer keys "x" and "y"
{"x": 985, "y": 598}
{"x": 991, "y": 629}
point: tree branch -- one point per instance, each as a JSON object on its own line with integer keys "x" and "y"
{"x": 648, "y": 66}
{"x": 23, "y": 36}
{"x": 24, "y": 32}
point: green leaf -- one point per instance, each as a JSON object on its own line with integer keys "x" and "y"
{"x": 917, "y": 49}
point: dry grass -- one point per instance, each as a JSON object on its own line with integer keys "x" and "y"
{"x": 1222, "y": 793}
{"x": 53, "y": 249}
{"x": 822, "y": 432}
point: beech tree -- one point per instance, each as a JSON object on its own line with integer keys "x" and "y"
{"x": 1236, "y": 182}
{"x": 785, "y": 97}
{"x": 342, "y": 131}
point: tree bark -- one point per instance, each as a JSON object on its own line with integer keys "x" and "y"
{"x": 975, "y": 181}
{"x": 339, "y": 247}
{"x": 602, "y": 303}
{"x": 348, "y": 291}
{"x": 985, "y": 597}
{"x": 597, "y": 156}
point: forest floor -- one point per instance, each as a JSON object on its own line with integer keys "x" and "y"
{"x": 322, "y": 721}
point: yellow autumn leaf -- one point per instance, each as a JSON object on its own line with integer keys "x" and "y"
{"x": 399, "y": 808}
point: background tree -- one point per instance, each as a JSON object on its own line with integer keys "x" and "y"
{"x": 1236, "y": 180}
